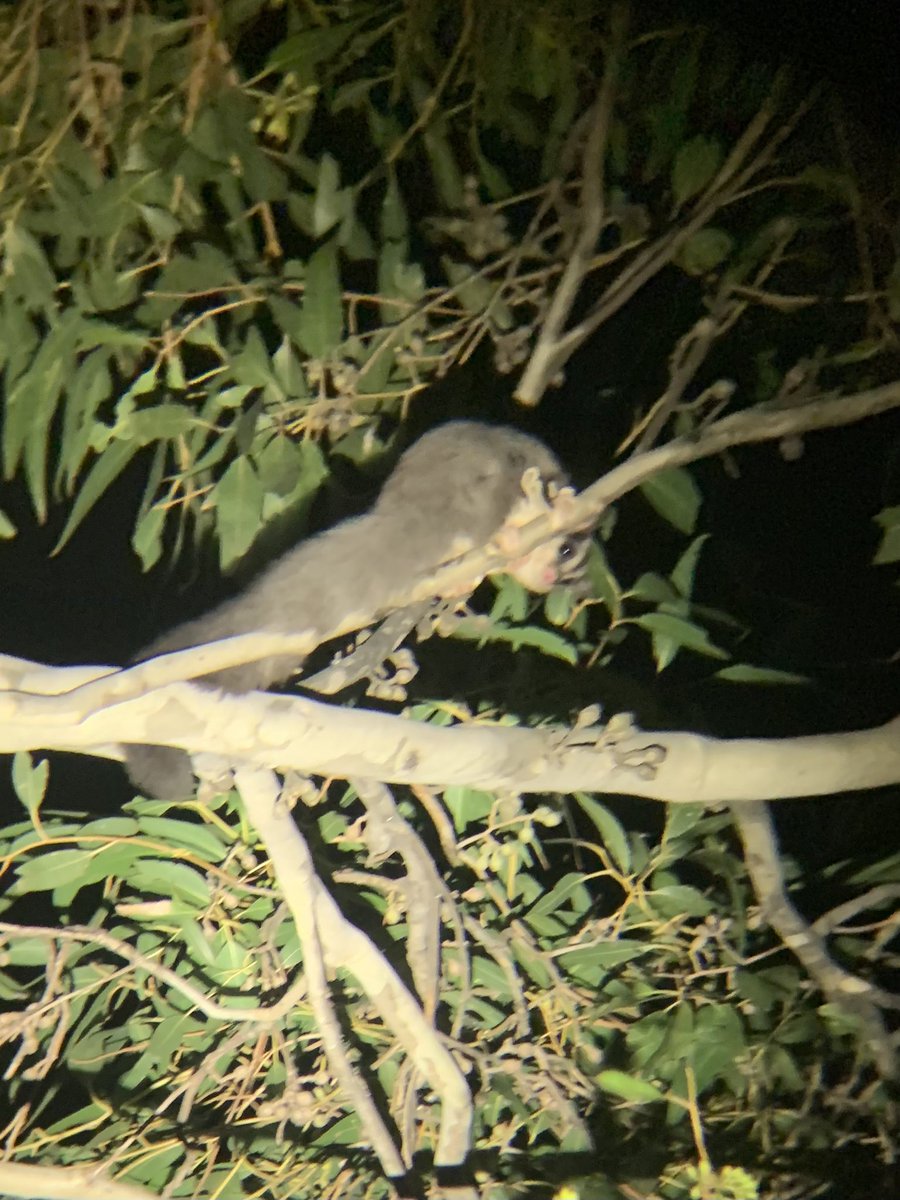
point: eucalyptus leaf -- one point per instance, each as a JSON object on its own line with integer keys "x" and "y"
{"x": 747, "y": 673}
{"x": 637, "y": 1091}
{"x": 329, "y": 204}
{"x": 238, "y": 499}
{"x": 675, "y": 496}
{"x": 609, "y": 828}
{"x": 170, "y": 879}
{"x": 322, "y": 314}
{"x": 29, "y": 780}
{"x": 108, "y": 467}
{"x": 706, "y": 250}
{"x": 695, "y": 164}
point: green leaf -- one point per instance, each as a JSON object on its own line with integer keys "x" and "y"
{"x": 707, "y": 249}
{"x": 398, "y": 277}
{"x": 467, "y": 805}
{"x": 288, "y": 372}
{"x": 31, "y": 404}
{"x": 29, "y": 780}
{"x": 25, "y": 952}
{"x": 321, "y": 321}
{"x": 264, "y": 182}
{"x": 280, "y": 463}
{"x": 309, "y": 474}
{"x": 487, "y": 974}
{"x": 204, "y": 269}
{"x": 171, "y": 1034}
{"x": 169, "y": 879}
{"x": 162, "y": 423}
{"x": 746, "y": 673}
{"x": 7, "y": 528}
{"x": 610, "y": 830}
{"x": 394, "y": 220}
{"x": 146, "y": 382}
{"x": 695, "y": 164}
{"x": 473, "y": 290}
{"x": 377, "y": 365}
{"x": 719, "y": 1044}
{"x": 354, "y": 94}
{"x": 637, "y": 1091}
{"x": 448, "y": 178}
{"x": 559, "y": 605}
{"x": 251, "y": 365}
{"x": 570, "y": 893}
{"x": 27, "y": 268}
{"x": 653, "y": 588}
{"x": 681, "y": 818}
{"x": 112, "y": 827}
{"x": 889, "y": 548}
{"x": 604, "y": 584}
{"x": 203, "y": 840}
{"x": 667, "y": 627}
{"x": 329, "y": 205}
{"x": 511, "y": 600}
{"x": 146, "y": 541}
{"x": 46, "y": 872}
{"x": 593, "y": 963}
{"x": 302, "y": 52}
{"x": 675, "y": 496}
{"x": 686, "y": 567}
{"x": 238, "y": 500}
{"x": 545, "y": 640}
{"x": 108, "y": 467}
{"x": 676, "y": 900}
{"x": 91, "y": 386}
{"x": 161, "y": 223}
{"x": 886, "y": 870}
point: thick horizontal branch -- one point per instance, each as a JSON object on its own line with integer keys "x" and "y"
{"x": 66, "y": 1183}
{"x": 322, "y": 739}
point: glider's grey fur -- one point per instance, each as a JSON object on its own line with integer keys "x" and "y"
{"x": 451, "y": 491}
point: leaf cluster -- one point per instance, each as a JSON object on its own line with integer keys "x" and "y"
{"x": 603, "y": 1006}
{"x": 190, "y": 279}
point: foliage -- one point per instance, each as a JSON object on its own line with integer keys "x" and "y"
{"x": 607, "y": 1003}
{"x": 187, "y": 269}
{"x": 238, "y": 235}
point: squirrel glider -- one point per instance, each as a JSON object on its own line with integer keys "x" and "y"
{"x": 455, "y": 489}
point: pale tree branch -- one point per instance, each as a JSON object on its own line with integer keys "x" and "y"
{"x": 851, "y": 993}
{"x": 333, "y": 741}
{"x": 742, "y": 164}
{"x": 309, "y": 902}
{"x": 593, "y": 198}
{"x": 835, "y": 919}
{"x": 725, "y": 309}
{"x": 264, "y": 1013}
{"x": 346, "y": 948}
{"x": 367, "y": 656}
{"x": 41, "y": 709}
{"x": 388, "y": 832}
{"x": 66, "y": 1183}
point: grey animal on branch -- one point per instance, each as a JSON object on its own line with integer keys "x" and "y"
{"x": 453, "y": 490}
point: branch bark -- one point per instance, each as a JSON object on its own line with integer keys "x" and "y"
{"x": 344, "y": 947}
{"x": 321, "y": 739}
{"x": 851, "y": 993}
